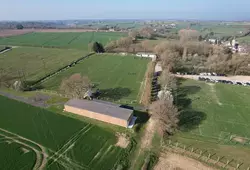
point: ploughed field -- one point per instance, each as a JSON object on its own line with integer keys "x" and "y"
{"x": 119, "y": 78}
{"x": 32, "y": 63}
{"x": 31, "y": 137}
{"x": 216, "y": 118}
{"x": 78, "y": 40}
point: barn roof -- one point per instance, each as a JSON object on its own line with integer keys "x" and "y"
{"x": 105, "y": 108}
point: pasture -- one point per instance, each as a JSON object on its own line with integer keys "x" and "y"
{"x": 76, "y": 40}
{"x": 245, "y": 40}
{"x": 118, "y": 77}
{"x": 37, "y": 138}
{"x": 215, "y": 117}
{"x": 33, "y": 63}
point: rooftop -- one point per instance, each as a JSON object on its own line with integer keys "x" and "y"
{"x": 101, "y": 107}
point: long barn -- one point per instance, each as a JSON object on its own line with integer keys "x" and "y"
{"x": 106, "y": 112}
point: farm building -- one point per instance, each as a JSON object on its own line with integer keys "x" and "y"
{"x": 103, "y": 111}
{"x": 147, "y": 55}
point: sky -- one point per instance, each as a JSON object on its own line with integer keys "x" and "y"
{"x": 124, "y": 9}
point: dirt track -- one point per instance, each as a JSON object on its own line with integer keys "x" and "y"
{"x": 172, "y": 161}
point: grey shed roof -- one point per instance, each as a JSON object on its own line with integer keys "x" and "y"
{"x": 101, "y": 107}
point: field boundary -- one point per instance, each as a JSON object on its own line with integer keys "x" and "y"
{"x": 6, "y": 49}
{"x": 202, "y": 155}
{"x": 64, "y": 68}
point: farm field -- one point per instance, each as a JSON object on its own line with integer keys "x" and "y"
{"x": 77, "y": 40}
{"x": 245, "y": 39}
{"x": 35, "y": 62}
{"x": 42, "y": 139}
{"x": 215, "y": 117}
{"x": 118, "y": 77}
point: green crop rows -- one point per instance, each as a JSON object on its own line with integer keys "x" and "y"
{"x": 68, "y": 142}
{"x": 61, "y": 40}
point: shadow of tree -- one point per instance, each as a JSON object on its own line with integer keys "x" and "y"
{"x": 189, "y": 117}
{"x": 142, "y": 118}
{"x": 114, "y": 93}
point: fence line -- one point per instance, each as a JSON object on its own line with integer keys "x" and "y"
{"x": 64, "y": 68}
{"x": 101, "y": 98}
{"x": 203, "y": 155}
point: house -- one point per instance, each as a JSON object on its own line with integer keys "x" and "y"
{"x": 147, "y": 55}
{"x": 102, "y": 111}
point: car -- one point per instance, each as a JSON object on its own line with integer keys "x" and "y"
{"x": 238, "y": 83}
{"x": 248, "y": 84}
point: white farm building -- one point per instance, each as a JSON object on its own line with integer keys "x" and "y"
{"x": 147, "y": 55}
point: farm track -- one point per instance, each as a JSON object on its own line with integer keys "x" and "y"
{"x": 73, "y": 39}
{"x": 41, "y": 156}
{"x": 69, "y": 144}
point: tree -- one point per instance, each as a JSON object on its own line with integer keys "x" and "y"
{"x": 111, "y": 46}
{"x": 200, "y": 38}
{"x": 168, "y": 81}
{"x": 98, "y": 47}
{"x": 133, "y": 34}
{"x": 166, "y": 115}
{"x": 124, "y": 42}
{"x": 147, "y": 32}
{"x": 19, "y": 26}
{"x": 75, "y": 86}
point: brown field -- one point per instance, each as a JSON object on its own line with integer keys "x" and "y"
{"x": 12, "y": 32}
{"x": 172, "y": 161}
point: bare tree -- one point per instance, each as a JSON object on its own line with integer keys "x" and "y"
{"x": 111, "y": 46}
{"x": 146, "y": 45}
{"x": 170, "y": 60}
{"x": 133, "y": 34}
{"x": 75, "y": 86}
{"x": 187, "y": 35}
{"x": 168, "y": 80}
{"x": 166, "y": 115}
{"x": 124, "y": 42}
{"x": 147, "y": 33}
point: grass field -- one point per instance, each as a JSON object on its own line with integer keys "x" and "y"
{"x": 52, "y": 140}
{"x": 245, "y": 39}
{"x": 37, "y": 62}
{"x": 215, "y": 117}
{"x": 118, "y": 77}
{"x": 61, "y": 40}
{"x": 2, "y": 47}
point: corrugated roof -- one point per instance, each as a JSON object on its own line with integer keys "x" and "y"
{"x": 101, "y": 107}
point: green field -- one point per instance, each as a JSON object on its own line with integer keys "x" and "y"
{"x": 214, "y": 116}
{"x": 61, "y": 40}
{"x": 118, "y": 77}
{"x": 35, "y": 63}
{"x": 67, "y": 142}
{"x": 245, "y": 39}
{"x": 2, "y": 47}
